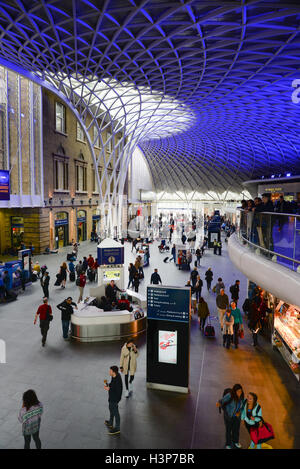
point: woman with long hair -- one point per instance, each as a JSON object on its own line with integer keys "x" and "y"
{"x": 252, "y": 415}
{"x": 30, "y": 418}
{"x": 232, "y": 404}
{"x": 63, "y": 274}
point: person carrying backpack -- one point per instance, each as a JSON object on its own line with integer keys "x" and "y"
{"x": 232, "y": 404}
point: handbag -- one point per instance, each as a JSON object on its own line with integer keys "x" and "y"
{"x": 262, "y": 434}
{"x": 241, "y": 334}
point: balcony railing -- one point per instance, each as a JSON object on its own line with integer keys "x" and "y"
{"x": 273, "y": 235}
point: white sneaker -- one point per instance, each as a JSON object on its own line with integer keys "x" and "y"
{"x": 238, "y": 445}
{"x": 228, "y": 447}
{"x": 130, "y": 386}
{"x": 126, "y": 393}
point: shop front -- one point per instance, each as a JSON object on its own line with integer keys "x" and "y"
{"x": 286, "y": 335}
{"x": 17, "y": 232}
{"x": 81, "y": 226}
{"x": 61, "y": 229}
{"x": 96, "y": 221}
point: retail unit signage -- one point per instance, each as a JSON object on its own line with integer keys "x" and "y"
{"x": 4, "y": 185}
{"x": 110, "y": 256}
{"x": 61, "y": 222}
{"x": 81, "y": 220}
{"x": 96, "y": 217}
{"x": 168, "y": 303}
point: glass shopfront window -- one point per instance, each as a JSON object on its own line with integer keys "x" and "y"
{"x": 17, "y": 231}
{"x": 81, "y": 226}
{"x": 286, "y": 335}
{"x": 61, "y": 229}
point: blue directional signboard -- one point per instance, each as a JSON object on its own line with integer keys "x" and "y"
{"x": 168, "y": 303}
{"x": 110, "y": 256}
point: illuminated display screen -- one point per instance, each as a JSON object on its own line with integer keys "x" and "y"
{"x": 167, "y": 347}
{"x": 4, "y": 185}
{"x": 111, "y": 274}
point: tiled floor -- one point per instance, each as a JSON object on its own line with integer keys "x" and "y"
{"x": 68, "y": 377}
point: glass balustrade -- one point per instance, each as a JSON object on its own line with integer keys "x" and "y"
{"x": 273, "y": 235}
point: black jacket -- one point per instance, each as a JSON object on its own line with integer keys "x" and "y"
{"x": 66, "y": 310}
{"x": 155, "y": 278}
{"x": 209, "y": 275}
{"x": 115, "y": 389}
{"x": 234, "y": 290}
{"x": 111, "y": 292}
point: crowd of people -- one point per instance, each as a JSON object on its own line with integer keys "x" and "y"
{"x": 235, "y": 406}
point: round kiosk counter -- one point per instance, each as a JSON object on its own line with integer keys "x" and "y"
{"x": 91, "y": 324}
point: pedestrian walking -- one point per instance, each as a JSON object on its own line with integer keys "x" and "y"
{"x": 209, "y": 277}
{"x": 173, "y": 252}
{"x": 81, "y": 281}
{"x": 222, "y": 302}
{"x": 132, "y": 271}
{"x": 219, "y": 248}
{"x": 194, "y": 276}
{"x": 252, "y": 415}
{"x": 219, "y": 286}
{"x": 203, "y": 312}
{"x": 215, "y": 246}
{"x": 232, "y": 404}
{"x": 63, "y": 274}
{"x": 228, "y": 322}
{"x": 136, "y": 282}
{"x": 238, "y": 323}
{"x": 254, "y": 323}
{"x": 66, "y": 308}
{"x": 45, "y": 280}
{"x": 198, "y": 255}
{"x": 114, "y": 388}
{"x": 234, "y": 290}
{"x": 30, "y": 418}
{"x": 128, "y": 364}
{"x": 45, "y": 314}
{"x": 79, "y": 268}
{"x": 198, "y": 288}
{"x": 155, "y": 278}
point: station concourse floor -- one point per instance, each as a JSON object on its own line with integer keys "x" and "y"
{"x": 68, "y": 376}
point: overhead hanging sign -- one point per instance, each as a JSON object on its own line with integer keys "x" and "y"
{"x": 4, "y": 185}
{"x": 110, "y": 256}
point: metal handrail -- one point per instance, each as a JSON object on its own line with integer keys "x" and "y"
{"x": 271, "y": 252}
{"x": 273, "y": 213}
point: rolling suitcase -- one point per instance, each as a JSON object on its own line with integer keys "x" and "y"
{"x": 209, "y": 330}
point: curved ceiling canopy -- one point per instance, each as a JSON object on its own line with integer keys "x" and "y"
{"x": 222, "y": 73}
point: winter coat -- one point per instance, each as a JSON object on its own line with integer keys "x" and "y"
{"x": 124, "y": 360}
{"x": 228, "y": 324}
{"x": 203, "y": 310}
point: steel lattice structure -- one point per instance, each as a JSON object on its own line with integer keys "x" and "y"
{"x": 203, "y": 87}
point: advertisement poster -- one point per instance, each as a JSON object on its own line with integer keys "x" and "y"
{"x": 109, "y": 275}
{"x": 167, "y": 347}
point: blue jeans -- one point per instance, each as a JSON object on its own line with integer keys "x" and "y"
{"x": 114, "y": 413}
{"x": 65, "y": 328}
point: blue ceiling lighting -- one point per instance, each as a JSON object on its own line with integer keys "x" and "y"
{"x": 227, "y": 67}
